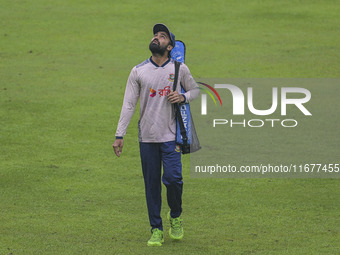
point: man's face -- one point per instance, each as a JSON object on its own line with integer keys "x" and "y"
{"x": 160, "y": 42}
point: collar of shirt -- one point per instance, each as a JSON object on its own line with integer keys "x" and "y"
{"x": 165, "y": 63}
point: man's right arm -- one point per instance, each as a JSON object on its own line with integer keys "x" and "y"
{"x": 129, "y": 104}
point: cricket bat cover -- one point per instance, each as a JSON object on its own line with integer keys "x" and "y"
{"x": 178, "y": 54}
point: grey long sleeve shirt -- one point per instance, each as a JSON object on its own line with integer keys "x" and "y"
{"x": 151, "y": 83}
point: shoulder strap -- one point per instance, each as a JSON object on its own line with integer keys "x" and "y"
{"x": 177, "y": 108}
{"x": 177, "y": 64}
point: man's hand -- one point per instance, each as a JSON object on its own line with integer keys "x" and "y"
{"x": 174, "y": 97}
{"x": 118, "y": 146}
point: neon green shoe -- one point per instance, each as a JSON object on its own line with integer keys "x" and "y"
{"x": 176, "y": 231}
{"x": 157, "y": 238}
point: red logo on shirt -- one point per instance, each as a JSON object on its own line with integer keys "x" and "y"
{"x": 152, "y": 92}
{"x": 164, "y": 92}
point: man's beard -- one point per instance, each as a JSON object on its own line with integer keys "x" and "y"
{"x": 157, "y": 49}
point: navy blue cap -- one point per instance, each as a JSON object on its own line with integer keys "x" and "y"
{"x": 161, "y": 27}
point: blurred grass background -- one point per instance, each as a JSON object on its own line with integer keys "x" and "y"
{"x": 63, "y": 69}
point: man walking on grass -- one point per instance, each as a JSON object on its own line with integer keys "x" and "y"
{"x": 152, "y": 82}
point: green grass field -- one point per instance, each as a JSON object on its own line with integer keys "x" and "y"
{"x": 63, "y": 69}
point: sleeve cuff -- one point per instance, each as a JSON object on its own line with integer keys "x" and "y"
{"x": 185, "y": 99}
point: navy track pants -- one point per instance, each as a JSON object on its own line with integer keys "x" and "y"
{"x": 152, "y": 156}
